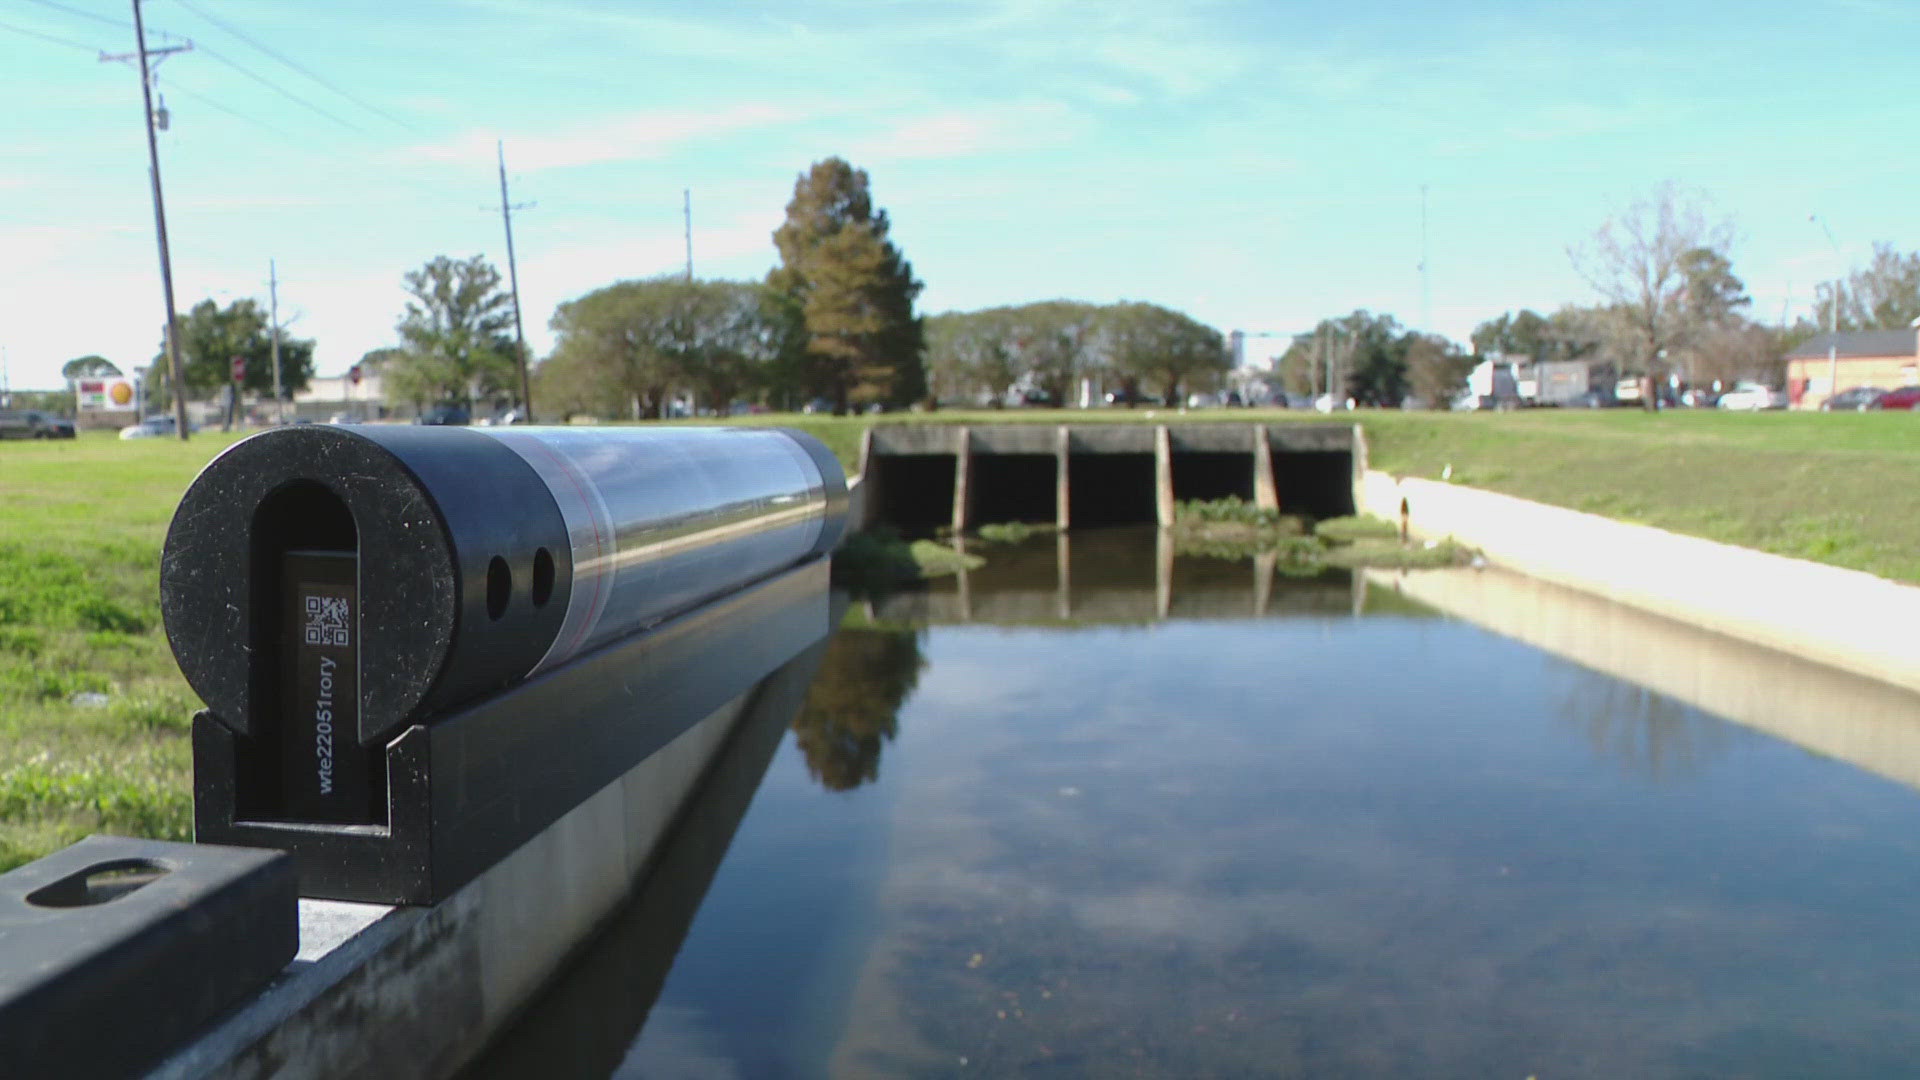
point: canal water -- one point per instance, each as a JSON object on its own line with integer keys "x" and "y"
{"x": 1102, "y": 810}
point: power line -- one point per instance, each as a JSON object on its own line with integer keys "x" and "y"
{"x": 282, "y": 91}
{"x": 48, "y": 37}
{"x": 295, "y": 65}
{"x": 119, "y": 24}
{"x": 212, "y": 104}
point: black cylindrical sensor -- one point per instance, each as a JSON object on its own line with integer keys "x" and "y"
{"x": 323, "y": 587}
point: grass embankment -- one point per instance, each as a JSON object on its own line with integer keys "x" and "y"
{"x": 1841, "y": 489}
{"x": 93, "y": 713}
{"x": 1836, "y": 488}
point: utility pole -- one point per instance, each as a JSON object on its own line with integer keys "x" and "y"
{"x": 686, "y": 210}
{"x": 176, "y": 376}
{"x": 513, "y": 278}
{"x": 273, "y": 318}
{"x": 1833, "y": 315}
{"x": 1426, "y": 279}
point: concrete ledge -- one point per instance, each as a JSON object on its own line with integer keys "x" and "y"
{"x": 417, "y": 991}
{"x": 1842, "y": 618}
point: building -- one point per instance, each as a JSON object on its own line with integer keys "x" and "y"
{"x": 1554, "y": 382}
{"x": 334, "y": 395}
{"x": 1882, "y": 358}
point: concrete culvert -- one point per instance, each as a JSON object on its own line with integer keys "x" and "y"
{"x": 1110, "y": 489}
{"x": 1014, "y": 487}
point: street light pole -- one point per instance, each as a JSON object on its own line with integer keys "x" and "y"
{"x": 1833, "y": 316}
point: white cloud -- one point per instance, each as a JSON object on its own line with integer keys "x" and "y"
{"x": 966, "y": 134}
{"x": 643, "y": 137}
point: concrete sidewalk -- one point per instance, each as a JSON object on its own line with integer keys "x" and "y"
{"x": 1842, "y": 618}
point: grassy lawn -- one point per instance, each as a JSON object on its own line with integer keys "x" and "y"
{"x": 1842, "y": 489}
{"x": 94, "y": 714}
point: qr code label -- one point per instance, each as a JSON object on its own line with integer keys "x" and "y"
{"x": 327, "y": 620}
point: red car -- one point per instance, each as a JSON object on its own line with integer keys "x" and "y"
{"x": 1906, "y": 397}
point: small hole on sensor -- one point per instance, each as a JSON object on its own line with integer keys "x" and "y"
{"x": 98, "y": 884}
{"x": 542, "y": 577}
{"x": 499, "y": 587}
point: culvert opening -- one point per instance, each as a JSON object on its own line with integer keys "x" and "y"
{"x": 1318, "y": 483}
{"x": 1110, "y": 489}
{"x": 1211, "y": 476}
{"x": 1014, "y": 487}
{"x": 916, "y": 490}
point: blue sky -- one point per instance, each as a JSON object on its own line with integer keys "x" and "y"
{"x": 1258, "y": 165}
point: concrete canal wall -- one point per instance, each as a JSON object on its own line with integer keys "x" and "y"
{"x": 1842, "y": 618}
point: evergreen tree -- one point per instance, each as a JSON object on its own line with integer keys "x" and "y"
{"x": 854, "y": 289}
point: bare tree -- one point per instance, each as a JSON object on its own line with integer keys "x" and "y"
{"x": 1638, "y": 261}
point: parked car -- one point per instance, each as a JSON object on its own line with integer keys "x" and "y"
{"x": 1127, "y": 397}
{"x": 1853, "y": 399}
{"x": 33, "y": 424}
{"x": 1753, "y": 397}
{"x": 1906, "y": 397}
{"x": 1699, "y": 398}
{"x": 445, "y": 416}
{"x": 154, "y": 427}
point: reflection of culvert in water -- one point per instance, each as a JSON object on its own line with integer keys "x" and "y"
{"x": 1014, "y": 487}
{"x": 1110, "y": 489}
{"x": 915, "y": 490}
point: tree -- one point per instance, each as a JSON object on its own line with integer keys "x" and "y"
{"x": 969, "y": 354}
{"x": 1522, "y": 335}
{"x": 210, "y": 338}
{"x": 725, "y": 337}
{"x": 455, "y": 336}
{"x": 1361, "y": 356}
{"x": 1161, "y": 347}
{"x": 854, "y": 288}
{"x": 1055, "y": 340}
{"x": 1436, "y": 370}
{"x": 1883, "y": 296}
{"x": 89, "y": 367}
{"x": 1742, "y": 350}
{"x": 1638, "y": 262}
{"x": 631, "y": 346}
{"x": 1713, "y": 296}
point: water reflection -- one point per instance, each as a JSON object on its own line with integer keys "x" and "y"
{"x": 1648, "y": 732}
{"x": 1111, "y": 576}
{"x": 584, "y": 1022}
{"x": 1638, "y": 671}
{"x": 853, "y": 709}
